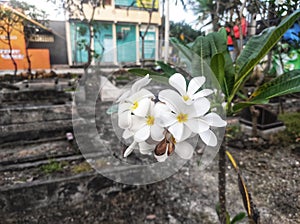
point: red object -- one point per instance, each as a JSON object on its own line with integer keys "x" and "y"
{"x": 229, "y": 38}
{"x": 244, "y": 29}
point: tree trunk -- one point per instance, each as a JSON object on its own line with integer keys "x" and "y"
{"x": 28, "y": 61}
{"x": 222, "y": 183}
{"x": 11, "y": 56}
{"x": 254, "y": 114}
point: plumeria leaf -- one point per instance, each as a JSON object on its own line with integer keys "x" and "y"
{"x": 286, "y": 83}
{"x": 217, "y": 65}
{"x": 153, "y": 75}
{"x": 241, "y": 105}
{"x": 168, "y": 70}
{"x": 257, "y": 47}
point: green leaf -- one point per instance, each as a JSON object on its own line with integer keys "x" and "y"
{"x": 168, "y": 70}
{"x": 238, "y": 217}
{"x": 154, "y": 75}
{"x": 257, "y": 47}
{"x": 184, "y": 49}
{"x": 286, "y": 83}
{"x": 217, "y": 65}
{"x": 195, "y": 64}
{"x": 241, "y": 105}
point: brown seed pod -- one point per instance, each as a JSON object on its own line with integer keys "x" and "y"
{"x": 161, "y": 147}
{"x": 171, "y": 148}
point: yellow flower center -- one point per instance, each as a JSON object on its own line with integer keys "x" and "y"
{"x": 150, "y": 120}
{"x": 185, "y": 97}
{"x": 135, "y": 105}
{"x": 182, "y": 117}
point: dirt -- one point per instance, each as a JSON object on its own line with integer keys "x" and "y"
{"x": 190, "y": 196}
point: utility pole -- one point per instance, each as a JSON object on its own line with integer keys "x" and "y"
{"x": 167, "y": 27}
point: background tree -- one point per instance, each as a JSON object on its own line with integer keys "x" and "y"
{"x": 29, "y": 29}
{"x": 184, "y": 32}
{"x": 9, "y": 22}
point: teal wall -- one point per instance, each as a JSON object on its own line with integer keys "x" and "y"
{"x": 126, "y": 43}
{"x": 125, "y": 2}
{"x": 103, "y": 42}
{"x": 149, "y": 45}
{"x": 79, "y": 35}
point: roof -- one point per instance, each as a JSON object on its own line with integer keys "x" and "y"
{"x": 22, "y": 15}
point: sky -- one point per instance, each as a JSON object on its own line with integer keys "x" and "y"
{"x": 177, "y": 14}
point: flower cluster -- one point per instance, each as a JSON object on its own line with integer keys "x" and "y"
{"x": 162, "y": 124}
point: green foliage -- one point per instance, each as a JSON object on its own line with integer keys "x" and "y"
{"x": 213, "y": 52}
{"x": 292, "y": 132}
{"x": 53, "y": 166}
{"x": 258, "y": 46}
{"x": 237, "y": 218}
{"x": 81, "y": 168}
{"x": 288, "y": 82}
{"x": 181, "y": 28}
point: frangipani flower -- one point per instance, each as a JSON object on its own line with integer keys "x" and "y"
{"x": 137, "y": 104}
{"x": 149, "y": 126}
{"x": 190, "y": 93}
{"x": 164, "y": 126}
{"x": 181, "y": 119}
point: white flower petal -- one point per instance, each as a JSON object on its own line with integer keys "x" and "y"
{"x": 146, "y": 148}
{"x": 123, "y": 107}
{"x": 124, "y": 120}
{"x": 142, "y": 108}
{"x": 178, "y": 82}
{"x": 202, "y": 93}
{"x": 130, "y": 148}
{"x": 140, "y": 83}
{"x": 157, "y": 132}
{"x": 197, "y": 125}
{"x": 142, "y": 134}
{"x": 137, "y": 123}
{"x": 209, "y": 138}
{"x": 195, "y": 85}
{"x": 127, "y": 134}
{"x": 172, "y": 99}
{"x": 201, "y": 107}
{"x": 184, "y": 149}
{"x": 143, "y": 93}
{"x": 166, "y": 119}
{"x": 215, "y": 120}
{"x": 185, "y": 135}
{"x": 177, "y": 131}
{"x": 123, "y": 96}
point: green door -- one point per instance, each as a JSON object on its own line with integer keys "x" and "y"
{"x": 79, "y": 40}
{"x": 126, "y": 43}
{"x": 149, "y": 45}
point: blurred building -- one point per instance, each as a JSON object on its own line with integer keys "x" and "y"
{"x": 117, "y": 31}
{"x": 13, "y": 42}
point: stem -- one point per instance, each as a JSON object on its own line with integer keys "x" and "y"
{"x": 255, "y": 115}
{"x": 222, "y": 183}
